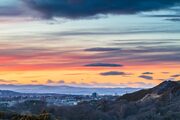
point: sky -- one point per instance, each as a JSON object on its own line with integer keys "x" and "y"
{"x": 89, "y": 43}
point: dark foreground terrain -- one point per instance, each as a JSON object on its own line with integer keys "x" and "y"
{"x": 159, "y": 103}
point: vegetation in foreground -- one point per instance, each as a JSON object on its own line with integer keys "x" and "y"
{"x": 159, "y": 103}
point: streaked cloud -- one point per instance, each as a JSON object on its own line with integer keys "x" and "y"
{"x": 175, "y": 76}
{"x": 103, "y": 65}
{"x": 172, "y": 14}
{"x": 81, "y": 50}
{"x": 165, "y": 72}
{"x": 148, "y": 73}
{"x": 174, "y": 19}
{"x": 7, "y": 81}
{"x": 101, "y": 49}
{"x": 111, "y": 73}
{"x": 146, "y": 77}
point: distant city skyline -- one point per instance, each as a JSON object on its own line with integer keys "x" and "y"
{"x": 89, "y": 43}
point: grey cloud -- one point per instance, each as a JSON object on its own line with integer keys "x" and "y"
{"x": 50, "y": 81}
{"x": 61, "y": 82}
{"x": 7, "y": 81}
{"x": 146, "y": 55}
{"x": 55, "y": 82}
{"x": 161, "y": 79}
{"x": 100, "y": 49}
{"x": 165, "y": 16}
{"x": 165, "y": 72}
{"x": 117, "y": 32}
{"x": 111, "y": 73}
{"x": 103, "y": 65}
{"x": 174, "y": 19}
{"x": 146, "y": 77}
{"x": 148, "y": 73}
{"x": 175, "y": 76}
{"x": 174, "y": 16}
{"x": 34, "y": 81}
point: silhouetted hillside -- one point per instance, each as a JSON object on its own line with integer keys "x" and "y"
{"x": 158, "y": 103}
{"x": 164, "y": 87}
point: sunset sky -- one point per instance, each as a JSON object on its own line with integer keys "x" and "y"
{"x": 89, "y": 43}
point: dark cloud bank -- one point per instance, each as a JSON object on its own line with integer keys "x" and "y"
{"x": 85, "y": 8}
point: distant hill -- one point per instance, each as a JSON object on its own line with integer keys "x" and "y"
{"x": 8, "y": 93}
{"x": 66, "y": 89}
{"x": 158, "y": 103}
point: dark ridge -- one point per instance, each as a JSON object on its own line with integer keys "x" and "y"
{"x": 135, "y": 96}
{"x": 8, "y": 92}
{"x": 163, "y": 88}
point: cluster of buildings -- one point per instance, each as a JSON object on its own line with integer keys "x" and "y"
{"x": 50, "y": 99}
